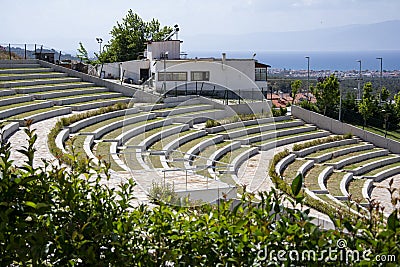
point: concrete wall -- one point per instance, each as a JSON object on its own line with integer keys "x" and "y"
{"x": 127, "y": 91}
{"x": 338, "y": 127}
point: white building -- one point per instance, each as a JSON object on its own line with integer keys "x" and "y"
{"x": 164, "y": 66}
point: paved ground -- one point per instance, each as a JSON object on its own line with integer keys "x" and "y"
{"x": 381, "y": 193}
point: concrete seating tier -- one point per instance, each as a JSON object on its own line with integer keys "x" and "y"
{"x": 28, "y": 69}
{"x": 30, "y": 76}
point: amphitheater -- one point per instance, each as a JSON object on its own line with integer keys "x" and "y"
{"x": 166, "y": 142}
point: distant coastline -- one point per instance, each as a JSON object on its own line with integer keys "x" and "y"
{"x": 319, "y": 60}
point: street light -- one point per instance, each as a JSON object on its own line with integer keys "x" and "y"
{"x": 386, "y": 118}
{"x": 340, "y": 103}
{"x": 359, "y": 82}
{"x": 99, "y": 40}
{"x": 308, "y": 76}
{"x": 380, "y": 78}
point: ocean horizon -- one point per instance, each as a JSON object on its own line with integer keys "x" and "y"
{"x": 319, "y": 60}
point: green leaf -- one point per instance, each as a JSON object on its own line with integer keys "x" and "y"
{"x": 297, "y": 184}
{"x": 391, "y": 221}
{"x": 31, "y": 204}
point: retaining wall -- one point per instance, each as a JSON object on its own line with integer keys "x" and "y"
{"x": 338, "y": 127}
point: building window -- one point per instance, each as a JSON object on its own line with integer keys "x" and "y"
{"x": 261, "y": 74}
{"x": 200, "y": 75}
{"x": 172, "y": 76}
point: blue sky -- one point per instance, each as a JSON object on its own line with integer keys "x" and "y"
{"x": 63, "y": 23}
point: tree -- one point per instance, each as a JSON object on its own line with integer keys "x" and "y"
{"x": 130, "y": 36}
{"x": 295, "y": 85}
{"x": 385, "y": 94}
{"x": 83, "y": 54}
{"x": 327, "y": 93}
{"x": 367, "y": 104}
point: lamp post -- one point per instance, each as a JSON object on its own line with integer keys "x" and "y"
{"x": 380, "y": 78}
{"x": 99, "y": 40}
{"x": 165, "y": 71}
{"x": 386, "y": 118}
{"x": 340, "y": 102}
{"x": 359, "y": 82}
{"x": 308, "y": 76}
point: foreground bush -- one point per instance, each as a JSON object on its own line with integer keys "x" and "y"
{"x": 53, "y": 216}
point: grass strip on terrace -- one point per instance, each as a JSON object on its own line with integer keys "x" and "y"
{"x": 93, "y": 127}
{"x": 333, "y": 183}
{"x": 384, "y": 168}
{"x": 159, "y": 145}
{"x": 38, "y": 80}
{"x": 28, "y": 74}
{"x": 33, "y": 112}
{"x": 355, "y": 190}
{"x": 365, "y": 162}
{"x": 97, "y": 101}
{"x": 264, "y": 142}
{"x": 332, "y": 149}
{"x": 179, "y": 152}
{"x": 311, "y": 177}
{"x": 136, "y": 140}
{"x": 12, "y": 96}
{"x": 83, "y": 95}
{"x": 257, "y": 126}
{"x": 77, "y": 89}
{"x": 291, "y": 170}
{"x": 102, "y": 151}
{"x": 50, "y": 85}
{"x": 115, "y": 133}
{"x": 21, "y": 104}
{"x": 358, "y": 153}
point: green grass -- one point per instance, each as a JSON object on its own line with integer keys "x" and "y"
{"x": 332, "y": 149}
{"x": 333, "y": 183}
{"x": 77, "y": 141}
{"x": 376, "y": 171}
{"x": 358, "y": 153}
{"x": 115, "y": 133}
{"x": 97, "y": 101}
{"x": 257, "y": 125}
{"x": 128, "y": 156}
{"x": 136, "y": 140}
{"x": 365, "y": 162}
{"x": 179, "y": 107}
{"x": 291, "y": 170}
{"x": 12, "y": 96}
{"x": 93, "y": 127}
{"x": 180, "y": 151}
{"x": 159, "y": 145}
{"x": 394, "y": 135}
{"x": 311, "y": 177}
{"x": 194, "y": 113}
{"x": 355, "y": 190}
{"x": 21, "y": 104}
{"x": 37, "y": 80}
{"x": 28, "y": 74}
{"x": 102, "y": 151}
{"x": 33, "y": 112}
{"x": 67, "y": 90}
{"x": 203, "y": 156}
{"x": 50, "y": 85}
{"x": 260, "y": 143}
{"x": 82, "y": 95}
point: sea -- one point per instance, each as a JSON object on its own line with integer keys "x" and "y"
{"x": 319, "y": 60}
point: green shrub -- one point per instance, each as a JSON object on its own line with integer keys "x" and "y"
{"x": 55, "y": 216}
{"x": 212, "y": 123}
{"x": 297, "y": 147}
{"x": 309, "y": 106}
{"x": 66, "y": 121}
